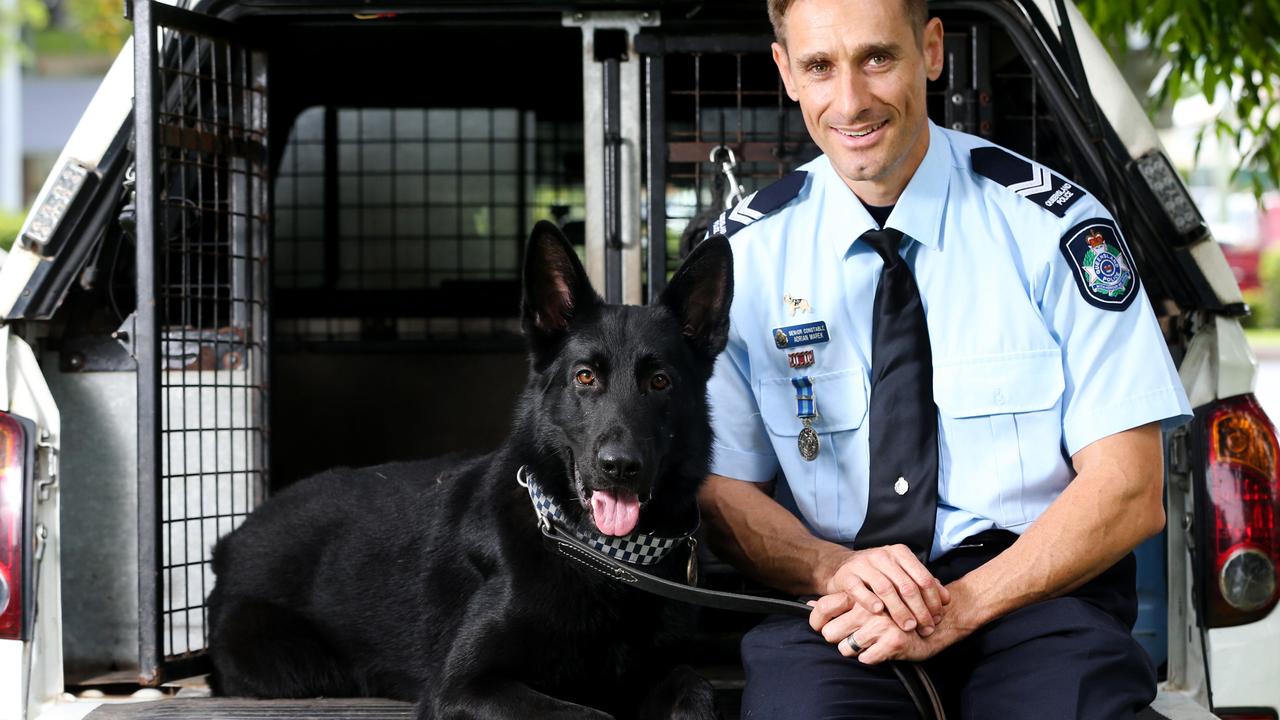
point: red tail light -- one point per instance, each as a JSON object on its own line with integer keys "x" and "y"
{"x": 15, "y": 524}
{"x": 1241, "y": 546}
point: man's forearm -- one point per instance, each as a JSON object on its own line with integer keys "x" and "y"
{"x": 1113, "y": 504}
{"x": 759, "y": 536}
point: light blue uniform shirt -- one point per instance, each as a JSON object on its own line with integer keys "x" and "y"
{"x": 1026, "y": 371}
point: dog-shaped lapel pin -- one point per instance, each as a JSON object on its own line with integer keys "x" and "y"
{"x": 796, "y": 305}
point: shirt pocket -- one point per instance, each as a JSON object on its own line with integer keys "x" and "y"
{"x": 1001, "y": 426}
{"x": 839, "y": 399}
{"x": 830, "y": 490}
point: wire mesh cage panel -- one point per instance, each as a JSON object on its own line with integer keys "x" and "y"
{"x": 720, "y": 98}
{"x": 409, "y": 223}
{"x": 202, "y": 321}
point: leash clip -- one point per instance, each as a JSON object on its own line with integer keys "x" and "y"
{"x": 544, "y": 516}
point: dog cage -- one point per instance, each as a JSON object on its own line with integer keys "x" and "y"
{"x": 378, "y": 237}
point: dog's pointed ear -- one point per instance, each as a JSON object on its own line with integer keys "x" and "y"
{"x": 700, "y": 294}
{"x": 555, "y": 284}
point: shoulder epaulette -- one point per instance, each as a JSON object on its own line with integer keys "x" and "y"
{"x": 758, "y": 204}
{"x": 1031, "y": 180}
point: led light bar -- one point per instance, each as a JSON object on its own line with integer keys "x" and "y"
{"x": 60, "y": 206}
{"x": 1172, "y": 194}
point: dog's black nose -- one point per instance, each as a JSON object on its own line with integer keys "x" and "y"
{"x": 617, "y": 464}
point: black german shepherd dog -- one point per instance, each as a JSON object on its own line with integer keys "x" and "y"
{"x": 431, "y": 581}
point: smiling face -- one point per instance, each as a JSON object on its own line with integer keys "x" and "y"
{"x": 858, "y": 68}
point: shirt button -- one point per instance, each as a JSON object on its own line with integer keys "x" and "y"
{"x": 998, "y": 397}
{"x": 901, "y": 486}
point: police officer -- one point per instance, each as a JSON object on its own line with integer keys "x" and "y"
{"x": 942, "y": 353}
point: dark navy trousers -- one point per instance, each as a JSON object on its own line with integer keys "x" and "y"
{"x": 1069, "y": 658}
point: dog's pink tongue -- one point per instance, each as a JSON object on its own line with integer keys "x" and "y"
{"x": 615, "y": 514}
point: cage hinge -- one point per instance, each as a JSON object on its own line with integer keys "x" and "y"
{"x": 48, "y": 456}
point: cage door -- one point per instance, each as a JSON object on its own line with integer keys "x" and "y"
{"x": 201, "y": 325}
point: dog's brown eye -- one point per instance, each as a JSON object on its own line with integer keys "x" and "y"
{"x": 660, "y": 382}
{"x": 585, "y": 377}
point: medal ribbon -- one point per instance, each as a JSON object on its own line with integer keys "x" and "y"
{"x": 804, "y": 397}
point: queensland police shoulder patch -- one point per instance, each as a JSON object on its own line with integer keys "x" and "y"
{"x": 1101, "y": 263}
{"x": 1033, "y": 182}
{"x": 758, "y": 204}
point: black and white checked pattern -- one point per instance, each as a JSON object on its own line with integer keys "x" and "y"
{"x": 636, "y": 548}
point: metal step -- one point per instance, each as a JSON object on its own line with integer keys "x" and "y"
{"x": 366, "y": 709}
{"x": 243, "y": 709}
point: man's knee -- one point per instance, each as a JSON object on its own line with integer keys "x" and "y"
{"x": 793, "y": 673}
{"x": 1064, "y": 658}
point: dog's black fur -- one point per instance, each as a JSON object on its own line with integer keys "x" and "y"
{"x": 430, "y": 580}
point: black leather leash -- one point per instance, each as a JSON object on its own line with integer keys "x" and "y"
{"x": 913, "y": 677}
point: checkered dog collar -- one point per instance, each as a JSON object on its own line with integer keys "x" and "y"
{"x": 636, "y": 548}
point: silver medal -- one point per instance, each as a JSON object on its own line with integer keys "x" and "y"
{"x": 808, "y": 441}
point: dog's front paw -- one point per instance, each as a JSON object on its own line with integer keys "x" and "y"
{"x": 682, "y": 695}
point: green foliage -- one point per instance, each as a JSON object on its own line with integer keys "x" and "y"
{"x": 10, "y": 224}
{"x": 92, "y": 27}
{"x": 1260, "y": 312}
{"x": 1218, "y": 46}
{"x": 1264, "y": 301}
{"x": 28, "y": 15}
{"x": 101, "y": 23}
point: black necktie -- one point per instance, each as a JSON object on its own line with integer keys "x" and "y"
{"x": 903, "y": 499}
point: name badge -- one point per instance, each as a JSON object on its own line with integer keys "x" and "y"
{"x": 797, "y": 335}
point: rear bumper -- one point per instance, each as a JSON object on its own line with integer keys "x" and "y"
{"x": 1244, "y": 664}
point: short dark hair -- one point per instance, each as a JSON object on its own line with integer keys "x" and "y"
{"x": 917, "y": 10}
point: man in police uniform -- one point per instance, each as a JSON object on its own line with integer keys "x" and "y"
{"x": 1039, "y": 466}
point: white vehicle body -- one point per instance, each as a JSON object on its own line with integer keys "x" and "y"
{"x": 1242, "y": 663}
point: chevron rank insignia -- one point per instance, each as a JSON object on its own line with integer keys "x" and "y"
{"x": 1101, "y": 263}
{"x": 1030, "y": 180}
{"x": 758, "y": 204}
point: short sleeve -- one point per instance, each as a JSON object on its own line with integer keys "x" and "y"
{"x": 1116, "y": 364}
{"x": 741, "y": 447}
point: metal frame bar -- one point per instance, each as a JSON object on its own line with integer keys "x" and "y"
{"x": 147, "y": 347}
{"x": 656, "y": 107}
{"x": 612, "y": 76}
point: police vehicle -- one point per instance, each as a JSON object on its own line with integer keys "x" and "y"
{"x": 285, "y": 233}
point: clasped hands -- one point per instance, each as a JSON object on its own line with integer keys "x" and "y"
{"x": 887, "y": 602}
